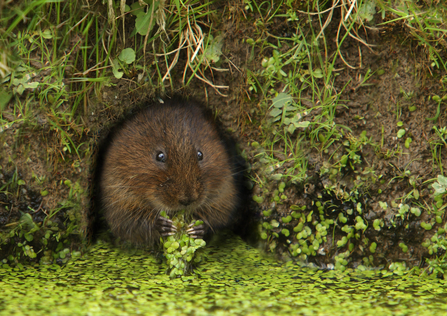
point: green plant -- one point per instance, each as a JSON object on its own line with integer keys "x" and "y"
{"x": 425, "y": 23}
{"x": 181, "y": 250}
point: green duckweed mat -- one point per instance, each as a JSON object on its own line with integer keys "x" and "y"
{"x": 235, "y": 279}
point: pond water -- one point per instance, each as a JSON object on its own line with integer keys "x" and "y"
{"x": 235, "y": 279}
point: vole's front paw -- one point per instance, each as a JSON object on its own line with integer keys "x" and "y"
{"x": 165, "y": 226}
{"x": 196, "y": 231}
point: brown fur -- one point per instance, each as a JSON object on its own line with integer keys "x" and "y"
{"x": 135, "y": 187}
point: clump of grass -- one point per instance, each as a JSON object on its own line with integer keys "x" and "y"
{"x": 355, "y": 17}
{"x": 426, "y": 22}
{"x": 172, "y": 27}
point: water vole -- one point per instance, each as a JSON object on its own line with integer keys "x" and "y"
{"x": 168, "y": 157}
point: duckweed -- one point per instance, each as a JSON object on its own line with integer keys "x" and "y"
{"x": 258, "y": 199}
{"x": 426, "y": 226}
{"x": 403, "y": 246}
{"x": 180, "y": 249}
{"x": 285, "y": 232}
{"x": 236, "y": 279}
{"x": 377, "y": 224}
{"x": 416, "y": 211}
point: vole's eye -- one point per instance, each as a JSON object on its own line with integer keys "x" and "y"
{"x": 161, "y": 156}
{"x": 199, "y": 155}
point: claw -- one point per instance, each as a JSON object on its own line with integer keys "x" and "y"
{"x": 196, "y": 231}
{"x": 167, "y": 234}
{"x": 165, "y": 226}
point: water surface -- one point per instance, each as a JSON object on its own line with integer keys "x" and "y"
{"x": 235, "y": 279}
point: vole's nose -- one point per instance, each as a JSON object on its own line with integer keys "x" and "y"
{"x": 185, "y": 201}
{"x": 188, "y": 198}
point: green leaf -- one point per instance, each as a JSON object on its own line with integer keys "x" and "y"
{"x": 342, "y": 242}
{"x": 4, "y": 99}
{"x": 31, "y": 85}
{"x": 127, "y": 55}
{"x": 145, "y": 22}
{"x": 404, "y": 209}
{"x": 46, "y": 34}
{"x": 426, "y": 226}
{"x": 360, "y": 224}
{"x": 302, "y": 124}
{"x": 416, "y": 211}
{"x": 214, "y": 48}
{"x": 136, "y": 9}
{"x": 376, "y": 224}
{"x": 285, "y": 232}
{"x": 115, "y": 69}
{"x": 317, "y": 73}
{"x": 403, "y": 246}
{"x": 440, "y": 187}
{"x": 367, "y": 10}
{"x": 29, "y": 237}
{"x": 291, "y": 129}
{"x": 275, "y": 112}
{"x": 281, "y": 100}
